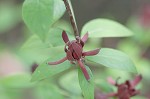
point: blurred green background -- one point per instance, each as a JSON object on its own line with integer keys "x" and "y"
{"x": 16, "y": 66}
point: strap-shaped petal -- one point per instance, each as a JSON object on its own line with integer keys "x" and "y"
{"x": 65, "y": 37}
{"x": 111, "y": 81}
{"x": 78, "y": 49}
{"x": 69, "y": 55}
{"x": 136, "y": 80}
{"x": 84, "y": 70}
{"x": 85, "y": 37}
{"x": 58, "y": 62}
{"x": 91, "y": 53}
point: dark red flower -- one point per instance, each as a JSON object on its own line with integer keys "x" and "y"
{"x": 127, "y": 89}
{"x": 74, "y": 52}
{"x": 100, "y": 95}
{"x": 145, "y": 16}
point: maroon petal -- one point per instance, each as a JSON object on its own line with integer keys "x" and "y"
{"x": 136, "y": 80}
{"x": 77, "y": 49}
{"x": 85, "y": 37}
{"x": 111, "y": 81}
{"x": 65, "y": 37}
{"x": 84, "y": 70}
{"x": 91, "y": 53}
{"x": 112, "y": 94}
{"x": 69, "y": 55}
{"x": 57, "y": 62}
{"x": 135, "y": 92}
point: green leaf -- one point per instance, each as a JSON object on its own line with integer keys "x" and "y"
{"x": 34, "y": 46}
{"x": 113, "y": 59}
{"x": 54, "y": 37}
{"x": 70, "y": 81}
{"x": 9, "y": 16}
{"x": 48, "y": 90}
{"x": 21, "y": 80}
{"x": 44, "y": 70}
{"x": 40, "y": 15}
{"x": 34, "y": 50}
{"x": 34, "y": 42}
{"x": 87, "y": 87}
{"x": 105, "y": 28}
{"x": 64, "y": 25}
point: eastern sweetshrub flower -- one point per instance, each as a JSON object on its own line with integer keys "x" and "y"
{"x": 145, "y": 16}
{"x": 74, "y": 52}
{"x": 100, "y": 95}
{"x": 125, "y": 90}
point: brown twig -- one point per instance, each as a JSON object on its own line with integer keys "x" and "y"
{"x": 72, "y": 19}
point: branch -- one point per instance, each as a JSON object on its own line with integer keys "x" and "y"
{"x": 72, "y": 19}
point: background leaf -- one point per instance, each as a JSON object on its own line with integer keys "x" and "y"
{"x": 9, "y": 16}
{"x": 48, "y": 90}
{"x": 105, "y": 28}
{"x": 87, "y": 87}
{"x": 113, "y": 59}
{"x": 69, "y": 82}
{"x": 39, "y": 15}
{"x": 64, "y": 25}
{"x": 44, "y": 70}
{"x": 21, "y": 80}
{"x": 34, "y": 46}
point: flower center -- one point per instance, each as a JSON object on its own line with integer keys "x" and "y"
{"x": 73, "y": 50}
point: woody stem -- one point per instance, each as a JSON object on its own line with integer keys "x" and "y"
{"x": 72, "y": 18}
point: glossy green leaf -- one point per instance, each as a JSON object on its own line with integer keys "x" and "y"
{"x": 105, "y": 28}
{"x": 87, "y": 87}
{"x": 113, "y": 59}
{"x": 44, "y": 70}
{"x": 39, "y": 15}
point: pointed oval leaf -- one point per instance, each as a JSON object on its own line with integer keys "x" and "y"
{"x": 87, "y": 87}
{"x": 39, "y": 15}
{"x": 48, "y": 90}
{"x": 105, "y": 28}
{"x": 44, "y": 70}
{"x": 113, "y": 59}
{"x": 70, "y": 81}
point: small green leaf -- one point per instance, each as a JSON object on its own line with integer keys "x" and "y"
{"x": 105, "y": 28}
{"x": 39, "y": 15}
{"x": 44, "y": 70}
{"x": 113, "y": 59}
{"x": 87, "y": 87}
